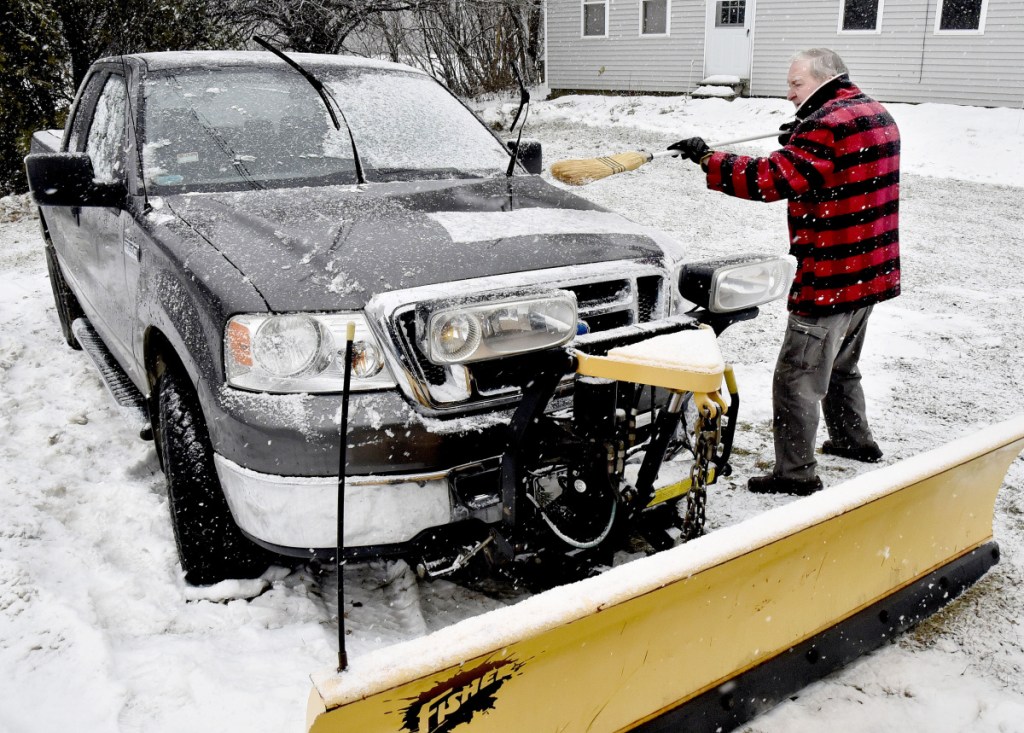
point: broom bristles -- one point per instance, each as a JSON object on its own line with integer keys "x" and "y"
{"x": 584, "y": 171}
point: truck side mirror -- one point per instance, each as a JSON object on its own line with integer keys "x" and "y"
{"x": 529, "y": 154}
{"x": 68, "y": 179}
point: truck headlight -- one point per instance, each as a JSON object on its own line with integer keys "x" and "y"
{"x": 462, "y": 332}
{"x": 301, "y": 352}
{"x": 290, "y": 346}
{"x": 736, "y": 283}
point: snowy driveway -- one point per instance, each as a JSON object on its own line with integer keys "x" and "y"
{"x": 96, "y": 633}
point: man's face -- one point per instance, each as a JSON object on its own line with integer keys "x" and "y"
{"x": 801, "y": 81}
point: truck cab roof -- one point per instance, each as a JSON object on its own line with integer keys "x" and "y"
{"x": 163, "y": 60}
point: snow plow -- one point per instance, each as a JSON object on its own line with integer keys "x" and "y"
{"x": 700, "y": 636}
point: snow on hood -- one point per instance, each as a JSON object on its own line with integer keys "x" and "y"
{"x": 480, "y": 226}
{"x": 336, "y": 247}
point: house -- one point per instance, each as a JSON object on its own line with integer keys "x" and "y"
{"x": 953, "y": 51}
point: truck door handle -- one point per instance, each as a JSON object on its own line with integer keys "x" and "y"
{"x": 132, "y": 250}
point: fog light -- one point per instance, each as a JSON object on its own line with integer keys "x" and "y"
{"x": 469, "y": 330}
{"x": 736, "y": 283}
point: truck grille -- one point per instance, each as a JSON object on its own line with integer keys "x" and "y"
{"x": 603, "y": 304}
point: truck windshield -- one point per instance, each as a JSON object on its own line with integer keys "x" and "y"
{"x": 237, "y": 128}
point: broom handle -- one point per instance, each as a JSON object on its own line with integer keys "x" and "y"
{"x": 761, "y": 136}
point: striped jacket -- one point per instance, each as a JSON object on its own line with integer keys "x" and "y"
{"x": 840, "y": 172}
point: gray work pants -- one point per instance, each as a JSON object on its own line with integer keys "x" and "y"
{"x": 818, "y": 365}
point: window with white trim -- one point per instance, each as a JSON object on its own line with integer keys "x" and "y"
{"x": 653, "y": 17}
{"x": 961, "y": 15}
{"x": 730, "y": 13}
{"x": 860, "y": 15}
{"x": 595, "y": 18}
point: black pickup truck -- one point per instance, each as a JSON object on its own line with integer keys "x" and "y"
{"x": 212, "y": 223}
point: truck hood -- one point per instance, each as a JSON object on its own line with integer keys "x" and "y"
{"x": 334, "y": 248}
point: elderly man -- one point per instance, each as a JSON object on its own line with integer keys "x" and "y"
{"x": 839, "y": 169}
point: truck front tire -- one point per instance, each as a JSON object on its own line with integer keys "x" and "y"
{"x": 210, "y": 545}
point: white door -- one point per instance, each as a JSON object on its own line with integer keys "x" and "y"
{"x": 729, "y": 35}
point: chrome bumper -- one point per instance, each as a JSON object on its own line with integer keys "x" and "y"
{"x": 302, "y": 511}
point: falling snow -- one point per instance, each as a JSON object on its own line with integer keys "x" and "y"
{"x": 98, "y": 631}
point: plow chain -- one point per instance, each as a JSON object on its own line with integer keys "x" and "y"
{"x": 707, "y": 437}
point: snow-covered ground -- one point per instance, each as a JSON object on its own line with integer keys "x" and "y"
{"x": 99, "y": 633}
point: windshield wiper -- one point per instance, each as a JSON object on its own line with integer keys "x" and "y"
{"x": 325, "y": 96}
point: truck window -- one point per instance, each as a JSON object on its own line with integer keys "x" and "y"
{"x": 105, "y": 141}
{"x": 236, "y": 128}
{"x": 230, "y": 129}
{"x": 83, "y": 112}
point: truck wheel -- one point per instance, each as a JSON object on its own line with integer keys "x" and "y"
{"x": 68, "y": 308}
{"x": 210, "y": 545}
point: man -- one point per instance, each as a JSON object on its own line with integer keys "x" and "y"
{"x": 839, "y": 169}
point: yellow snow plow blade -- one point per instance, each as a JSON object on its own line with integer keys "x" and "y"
{"x": 687, "y": 361}
{"x": 710, "y": 633}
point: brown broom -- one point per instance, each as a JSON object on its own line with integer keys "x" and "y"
{"x": 586, "y": 170}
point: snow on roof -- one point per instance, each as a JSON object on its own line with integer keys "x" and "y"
{"x": 177, "y": 59}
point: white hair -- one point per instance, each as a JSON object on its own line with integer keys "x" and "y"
{"x": 824, "y": 62}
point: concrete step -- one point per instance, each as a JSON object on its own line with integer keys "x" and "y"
{"x": 720, "y": 86}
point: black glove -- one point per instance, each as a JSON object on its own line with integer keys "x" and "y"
{"x": 786, "y": 128}
{"x": 693, "y": 148}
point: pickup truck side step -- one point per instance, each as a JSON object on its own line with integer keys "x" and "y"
{"x": 129, "y": 399}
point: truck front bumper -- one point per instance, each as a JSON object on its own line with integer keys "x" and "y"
{"x": 299, "y": 513}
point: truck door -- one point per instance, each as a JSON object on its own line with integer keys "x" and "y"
{"x": 64, "y": 223}
{"x": 101, "y": 229}
{"x": 729, "y": 38}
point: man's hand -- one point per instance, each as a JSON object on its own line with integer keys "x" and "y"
{"x": 786, "y": 128}
{"x": 693, "y": 148}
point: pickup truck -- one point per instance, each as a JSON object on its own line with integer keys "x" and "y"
{"x": 214, "y": 221}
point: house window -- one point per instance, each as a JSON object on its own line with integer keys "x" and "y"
{"x": 731, "y": 13}
{"x": 654, "y": 17}
{"x": 861, "y": 15}
{"x": 595, "y": 18}
{"x": 961, "y": 15}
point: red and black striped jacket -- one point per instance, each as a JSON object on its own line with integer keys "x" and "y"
{"x": 841, "y": 173}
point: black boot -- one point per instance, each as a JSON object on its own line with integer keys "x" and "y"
{"x": 869, "y": 453}
{"x": 772, "y": 484}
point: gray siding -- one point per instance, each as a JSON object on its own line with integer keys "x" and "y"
{"x": 907, "y": 61}
{"x": 625, "y": 60}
